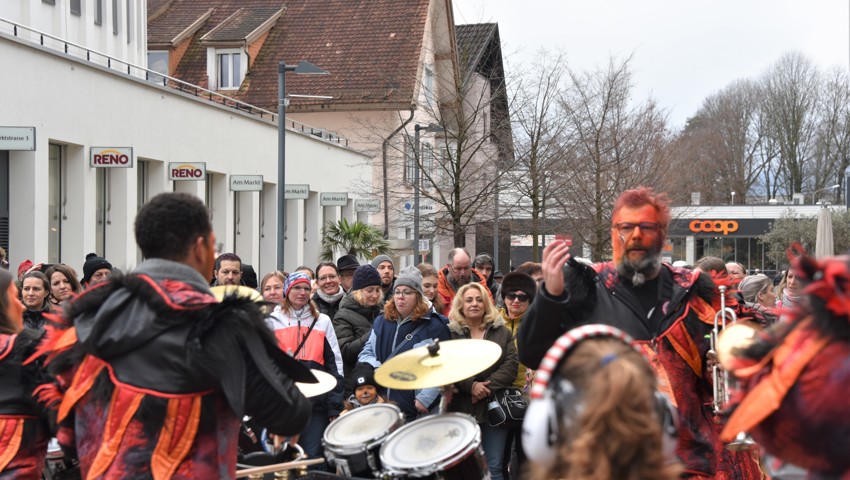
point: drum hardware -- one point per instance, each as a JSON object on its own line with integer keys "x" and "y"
{"x": 280, "y": 470}
{"x": 352, "y": 442}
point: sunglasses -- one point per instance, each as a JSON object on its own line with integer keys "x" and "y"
{"x": 516, "y": 296}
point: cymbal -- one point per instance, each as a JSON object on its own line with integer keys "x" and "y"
{"x": 221, "y": 291}
{"x": 739, "y": 335}
{"x": 453, "y": 361}
{"x": 326, "y": 383}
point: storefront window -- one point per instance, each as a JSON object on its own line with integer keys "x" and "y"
{"x": 55, "y": 188}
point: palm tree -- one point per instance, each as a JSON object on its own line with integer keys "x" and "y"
{"x": 358, "y": 238}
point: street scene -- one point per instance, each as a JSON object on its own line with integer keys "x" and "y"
{"x": 447, "y": 239}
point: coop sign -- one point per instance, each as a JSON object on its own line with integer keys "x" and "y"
{"x": 187, "y": 171}
{"x": 714, "y": 226}
{"x": 246, "y": 183}
{"x": 111, "y": 157}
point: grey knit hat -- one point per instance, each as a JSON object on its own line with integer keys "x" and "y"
{"x": 381, "y": 259}
{"x": 410, "y": 277}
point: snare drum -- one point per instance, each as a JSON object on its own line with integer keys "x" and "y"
{"x": 352, "y": 441}
{"x": 440, "y": 447}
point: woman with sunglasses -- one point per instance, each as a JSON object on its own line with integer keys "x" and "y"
{"x": 517, "y": 291}
{"x": 408, "y": 322}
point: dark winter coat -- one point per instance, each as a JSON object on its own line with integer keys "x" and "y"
{"x": 675, "y": 340}
{"x": 352, "y": 324}
{"x": 501, "y": 374}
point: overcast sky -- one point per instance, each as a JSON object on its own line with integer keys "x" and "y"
{"x": 684, "y": 50}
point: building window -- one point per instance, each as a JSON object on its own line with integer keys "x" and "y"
{"x": 98, "y": 12}
{"x": 76, "y": 7}
{"x": 49, "y": 2}
{"x": 56, "y": 193}
{"x": 409, "y": 161}
{"x": 229, "y": 67}
{"x": 129, "y": 12}
{"x": 428, "y": 83}
{"x": 115, "y": 17}
{"x": 446, "y": 168}
{"x": 427, "y": 161}
{"x": 102, "y": 209}
{"x": 158, "y": 62}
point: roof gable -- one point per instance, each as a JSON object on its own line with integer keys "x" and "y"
{"x": 244, "y": 26}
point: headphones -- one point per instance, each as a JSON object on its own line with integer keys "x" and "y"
{"x": 556, "y": 404}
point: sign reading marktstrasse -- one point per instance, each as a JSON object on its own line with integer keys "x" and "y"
{"x": 187, "y": 171}
{"x": 246, "y": 183}
{"x": 367, "y": 205}
{"x": 334, "y": 199}
{"x": 297, "y": 191}
{"x": 17, "y": 138}
{"x": 111, "y": 157}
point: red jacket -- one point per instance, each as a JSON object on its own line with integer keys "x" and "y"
{"x": 447, "y": 292}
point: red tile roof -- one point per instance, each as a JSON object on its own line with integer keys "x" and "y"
{"x": 370, "y": 47}
{"x": 240, "y": 24}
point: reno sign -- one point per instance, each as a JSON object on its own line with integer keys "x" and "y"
{"x": 111, "y": 157}
{"x": 187, "y": 171}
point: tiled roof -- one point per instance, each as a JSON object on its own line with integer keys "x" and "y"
{"x": 169, "y": 22}
{"x": 239, "y": 25}
{"x": 472, "y": 43}
{"x": 370, "y": 47}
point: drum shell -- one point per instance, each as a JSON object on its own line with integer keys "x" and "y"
{"x": 361, "y": 456}
{"x": 465, "y": 463}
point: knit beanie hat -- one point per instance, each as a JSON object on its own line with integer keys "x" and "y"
{"x": 294, "y": 279}
{"x": 410, "y": 277}
{"x": 93, "y": 264}
{"x": 362, "y": 375}
{"x": 381, "y": 259}
{"x": 366, "y": 276}
{"x": 519, "y": 281}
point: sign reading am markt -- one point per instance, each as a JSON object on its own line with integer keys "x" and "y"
{"x": 17, "y": 138}
{"x": 246, "y": 183}
{"x": 333, "y": 199}
{"x": 367, "y": 205}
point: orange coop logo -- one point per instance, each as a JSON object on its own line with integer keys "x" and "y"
{"x": 714, "y": 226}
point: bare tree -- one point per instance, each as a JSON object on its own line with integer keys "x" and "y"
{"x": 616, "y": 145}
{"x": 539, "y": 126}
{"x": 833, "y": 132}
{"x": 789, "y": 113}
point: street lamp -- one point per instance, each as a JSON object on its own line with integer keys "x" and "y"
{"x": 733, "y": 198}
{"x": 431, "y": 128}
{"x": 303, "y": 68}
{"x": 814, "y": 194}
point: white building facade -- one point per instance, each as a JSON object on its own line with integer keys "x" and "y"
{"x": 106, "y": 141}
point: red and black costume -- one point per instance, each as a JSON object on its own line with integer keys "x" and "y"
{"x": 795, "y": 379}
{"x": 670, "y": 317}
{"x": 155, "y": 376}
{"x": 23, "y": 430}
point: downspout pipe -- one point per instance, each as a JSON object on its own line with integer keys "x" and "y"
{"x": 384, "y": 147}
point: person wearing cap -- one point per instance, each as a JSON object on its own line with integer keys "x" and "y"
{"x": 406, "y": 323}
{"x": 364, "y": 387}
{"x": 484, "y": 264}
{"x": 386, "y": 268}
{"x": 95, "y": 270}
{"x": 498, "y": 276}
{"x": 346, "y": 265}
{"x": 306, "y": 334}
{"x": 357, "y": 311}
{"x": 517, "y": 291}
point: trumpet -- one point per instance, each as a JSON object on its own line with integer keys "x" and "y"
{"x": 719, "y": 375}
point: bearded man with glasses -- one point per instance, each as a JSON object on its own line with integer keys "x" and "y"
{"x": 668, "y": 311}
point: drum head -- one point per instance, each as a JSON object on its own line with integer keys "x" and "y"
{"x": 430, "y": 441}
{"x": 363, "y": 425}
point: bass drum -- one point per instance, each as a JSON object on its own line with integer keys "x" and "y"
{"x": 353, "y": 440}
{"x": 443, "y": 447}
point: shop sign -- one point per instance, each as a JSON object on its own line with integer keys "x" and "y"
{"x": 187, "y": 171}
{"x": 714, "y": 226}
{"x": 17, "y": 138}
{"x": 246, "y": 183}
{"x": 333, "y": 199}
{"x": 367, "y": 205}
{"x": 111, "y": 157}
{"x": 297, "y": 191}
{"x": 426, "y": 207}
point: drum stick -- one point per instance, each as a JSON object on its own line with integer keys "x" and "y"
{"x": 278, "y": 467}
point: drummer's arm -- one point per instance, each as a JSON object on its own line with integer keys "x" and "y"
{"x": 281, "y": 414}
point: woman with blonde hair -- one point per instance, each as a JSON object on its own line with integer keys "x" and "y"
{"x": 271, "y": 287}
{"x": 473, "y": 316}
{"x": 596, "y": 412}
{"x": 430, "y": 280}
{"x": 408, "y": 322}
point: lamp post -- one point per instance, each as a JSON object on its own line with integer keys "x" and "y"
{"x": 433, "y": 128}
{"x": 303, "y": 68}
{"x": 733, "y": 198}
{"x": 814, "y": 194}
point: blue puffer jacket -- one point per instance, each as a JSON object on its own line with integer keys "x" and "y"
{"x": 387, "y": 334}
